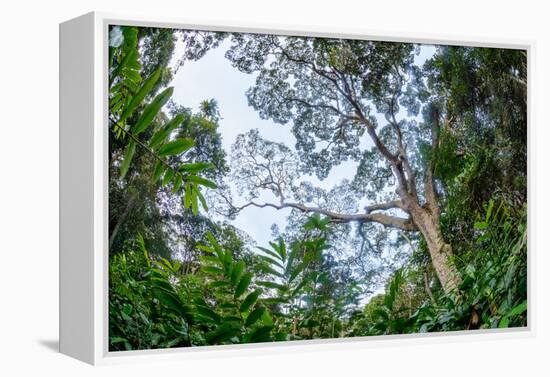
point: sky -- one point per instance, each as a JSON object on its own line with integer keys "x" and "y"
{"x": 213, "y": 77}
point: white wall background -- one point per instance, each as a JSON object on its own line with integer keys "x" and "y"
{"x": 29, "y": 186}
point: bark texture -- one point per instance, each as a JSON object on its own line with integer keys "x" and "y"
{"x": 440, "y": 251}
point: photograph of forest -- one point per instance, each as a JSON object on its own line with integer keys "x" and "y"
{"x": 267, "y": 188}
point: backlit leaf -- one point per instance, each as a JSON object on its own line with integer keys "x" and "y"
{"x": 175, "y": 147}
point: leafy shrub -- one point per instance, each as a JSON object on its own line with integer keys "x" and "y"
{"x": 154, "y": 304}
{"x": 493, "y": 292}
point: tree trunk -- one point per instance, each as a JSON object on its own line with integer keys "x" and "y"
{"x": 121, "y": 220}
{"x": 440, "y": 251}
{"x": 441, "y": 254}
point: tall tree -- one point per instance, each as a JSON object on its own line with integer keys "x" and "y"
{"x": 336, "y": 91}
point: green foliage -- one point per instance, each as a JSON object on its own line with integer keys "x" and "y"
{"x": 388, "y": 317}
{"x": 493, "y": 289}
{"x": 153, "y": 147}
{"x": 154, "y": 304}
{"x": 145, "y": 311}
{"x": 235, "y": 307}
{"x": 175, "y": 147}
{"x": 131, "y": 115}
{"x": 180, "y": 278}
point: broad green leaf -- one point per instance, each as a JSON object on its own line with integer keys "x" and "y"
{"x": 175, "y": 147}
{"x": 199, "y": 301}
{"x": 282, "y": 336}
{"x": 151, "y": 110}
{"x": 130, "y": 35}
{"x": 272, "y": 261}
{"x": 129, "y": 55}
{"x": 131, "y": 73}
{"x": 489, "y": 210}
{"x": 115, "y": 100}
{"x": 381, "y": 313}
{"x": 205, "y": 248}
{"x": 271, "y": 284}
{"x": 233, "y": 318}
{"x": 518, "y": 309}
{"x": 195, "y": 167}
{"x": 201, "y": 199}
{"x": 174, "y": 341}
{"x": 261, "y": 334}
{"x": 135, "y": 65}
{"x": 282, "y": 249}
{"x": 168, "y": 175}
{"x": 201, "y": 181}
{"x": 116, "y": 339}
{"x": 270, "y": 270}
{"x": 254, "y": 315}
{"x": 504, "y": 322}
{"x": 227, "y": 305}
{"x": 481, "y": 225}
{"x": 228, "y": 260}
{"x": 159, "y": 281}
{"x": 266, "y": 318}
{"x": 187, "y": 196}
{"x": 194, "y": 203}
{"x": 132, "y": 86}
{"x": 127, "y": 309}
{"x": 162, "y": 134}
{"x": 209, "y": 313}
{"x": 177, "y": 183}
{"x": 171, "y": 301}
{"x": 136, "y": 100}
{"x": 274, "y": 300}
{"x": 115, "y": 107}
{"x": 237, "y": 272}
{"x": 128, "y": 155}
{"x": 297, "y": 271}
{"x": 211, "y": 259}
{"x": 216, "y": 246}
{"x": 222, "y": 333}
{"x": 250, "y": 300}
{"x": 243, "y": 285}
{"x": 270, "y": 252}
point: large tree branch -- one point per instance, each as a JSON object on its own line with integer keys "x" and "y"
{"x": 350, "y": 96}
{"x": 385, "y": 206}
{"x": 399, "y": 162}
{"x": 406, "y": 190}
{"x": 335, "y": 110}
{"x": 429, "y": 184}
{"x": 340, "y": 218}
{"x": 410, "y": 178}
{"x": 269, "y": 182}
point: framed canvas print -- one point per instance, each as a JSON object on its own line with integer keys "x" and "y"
{"x": 227, "y": 188}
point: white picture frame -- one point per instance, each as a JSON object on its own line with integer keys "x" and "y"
{"x": 84, "y": 181}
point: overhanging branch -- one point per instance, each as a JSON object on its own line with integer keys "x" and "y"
{"x": 385, "y": 206}
{"x": 341, "y": 218}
